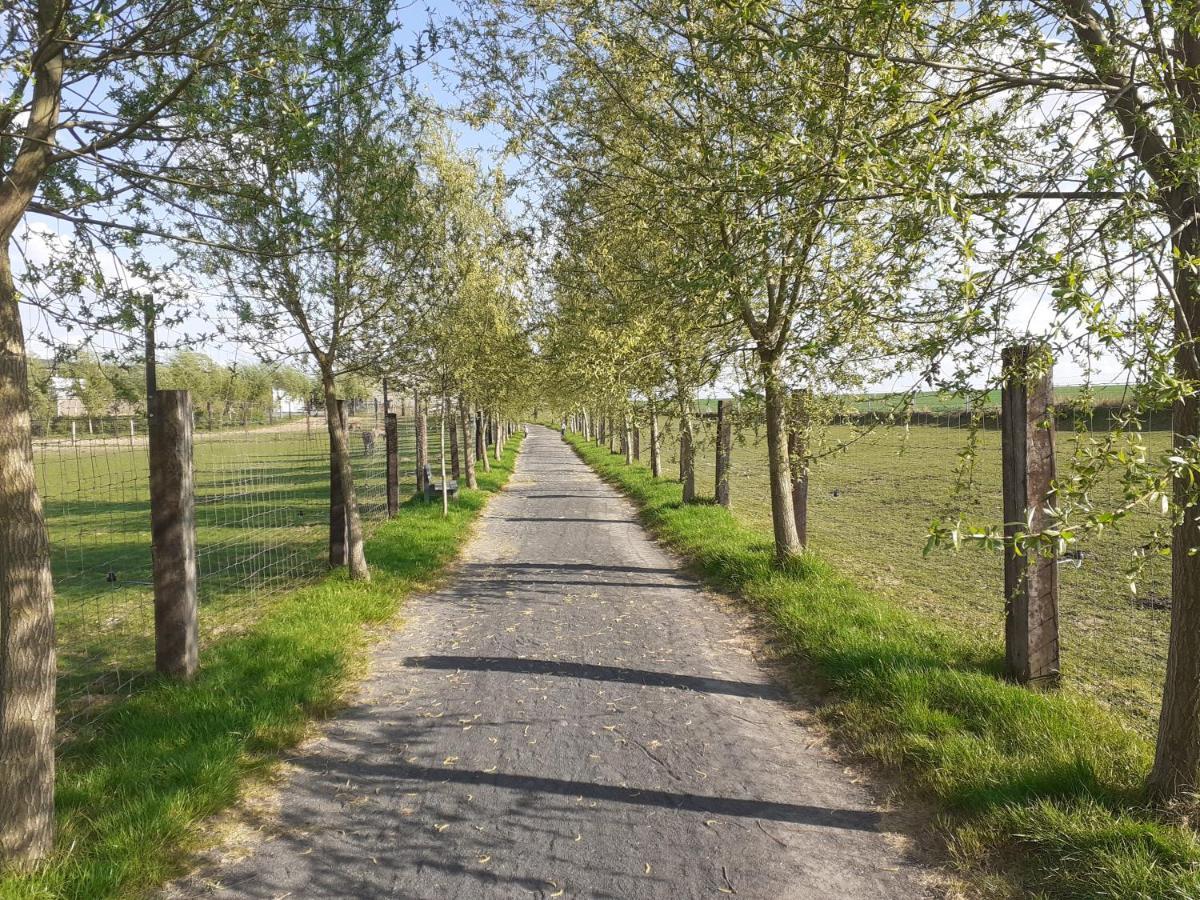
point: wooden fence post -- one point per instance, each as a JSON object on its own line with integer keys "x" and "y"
{"x": 391, "y": 439}
{"x": 724, "y": 452}
{"x": 338, "y": 539}
{"x": 1030, "y": 580}
{"x": 173, "y": 535}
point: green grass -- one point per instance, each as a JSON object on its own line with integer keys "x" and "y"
{"x": 262, "y": 500}
{"x": 869, "y": 512}
{"x": 136, "y": 784}
{"x": 1040, "y": 792}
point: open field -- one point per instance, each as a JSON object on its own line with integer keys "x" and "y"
{"x": 262, "y": 500}
{"x": 869, "y": 513}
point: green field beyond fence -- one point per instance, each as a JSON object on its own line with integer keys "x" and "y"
{"x": 870, "y": 508}
{"x": 262, "y": 528}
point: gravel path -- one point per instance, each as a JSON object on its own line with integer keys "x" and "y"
{"x": 570, "y": 717}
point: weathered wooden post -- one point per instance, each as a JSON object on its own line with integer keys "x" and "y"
{"x": 391, "y": 438}
{"x": 724, "y": 452}
{"x": 1030, "y": 579}
{"x": 338, "y": 538}
{"x": 173, "y": 535}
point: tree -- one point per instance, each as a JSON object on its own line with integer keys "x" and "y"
{"x": 757, "y": 163}
{"x": 116, "y": 73}
{"x": 326, "y": 195}
{"x": 1103, "y": 178}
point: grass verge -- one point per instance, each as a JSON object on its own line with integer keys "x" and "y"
{"x": 135, "y": 787}
{"x": 1041, "y": 792}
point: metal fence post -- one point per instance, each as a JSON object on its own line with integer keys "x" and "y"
{"x": 1030, "y": 579}
{"x": 173, "y": 535}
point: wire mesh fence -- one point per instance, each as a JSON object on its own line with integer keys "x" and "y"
{"x": 870, "y": 508}
{"x": 262, "y": 528}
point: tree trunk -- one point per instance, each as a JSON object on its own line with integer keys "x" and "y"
{"x": 455, "y": 463}
{"x": 339, "y": 448}
{"x": 1176, "y": 771}
{"x": 655, "y": 455}
{"x": 481, "y": 450}
{"x": 687, "y": 462}
{"x": 499, "y": 439}
{"x": 783, "y": 519}
{"x": 442, "y": 457}
{"x": 724, "y": 453}
{"x": 799, "y": 486}
{"x": 421, "y": 426}
{"x": 627, "y": 441}
{"x": 468, "y": 443}
{"x": 27, "y": 661}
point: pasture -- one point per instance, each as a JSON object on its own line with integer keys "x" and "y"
{"x": 262, "y": 506}
{"x": 870, "y": 508}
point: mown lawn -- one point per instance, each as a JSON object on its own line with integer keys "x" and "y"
{"x": 136, "y": 783}
{"x": 1041, "y": 793}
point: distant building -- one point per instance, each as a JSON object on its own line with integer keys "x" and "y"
{"x": 68, "y": 405}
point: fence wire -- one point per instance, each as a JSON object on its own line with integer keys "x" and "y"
{"x": 262, "y": 526}
{"x": 870, "y": 508}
